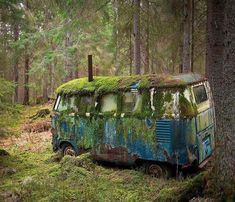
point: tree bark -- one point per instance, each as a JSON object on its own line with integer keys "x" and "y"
{"x": 220, "y": 66}
{"x": 136, "y": 29}
{"x": 26, "y": 67}
{"x": 146, "y": 37}
{"x": 45, "y": 88}
{"x": 16, "y": 64}
{"x": 26, "y": 79}
{"x": 115, "y": 32}
{"x": 68, "y": 66}
{"x": 188, "y": 36}
{"x": 227, "y": 162}
{"x": 215, "y": 48}
{"x": 130, "y": 52}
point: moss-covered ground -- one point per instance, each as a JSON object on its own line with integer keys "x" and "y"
{"x": 32, "y": 175}
{"x": 38, "y": 178}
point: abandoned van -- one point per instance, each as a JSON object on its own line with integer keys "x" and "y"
{"x": 160, "y": 119}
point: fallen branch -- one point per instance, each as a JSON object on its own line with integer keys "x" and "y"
{"x": 40, "y": 114}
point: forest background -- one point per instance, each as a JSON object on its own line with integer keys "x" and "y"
{"x": 45, "y": 43}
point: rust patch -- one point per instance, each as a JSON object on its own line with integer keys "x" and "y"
{"x": 170, "y": 159}
{"x": 120, "y": 154}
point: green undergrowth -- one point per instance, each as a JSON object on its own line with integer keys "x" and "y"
{"x": 10, "y": 119}
{"x": 13, "y": 117}
{"x": 186, "y": 191}
{"x": 38, "y": 178}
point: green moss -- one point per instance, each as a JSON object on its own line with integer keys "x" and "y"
{"x": 187, "y": 109}
{"x": 158, "y": 102}
{"x": 168, "y": 96}
{"x": 113, "y": 84}
{"x": 186, "y": 191}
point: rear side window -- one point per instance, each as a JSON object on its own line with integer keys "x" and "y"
{"x": 131, "y": 101}
{"x": 86, "y": 104}
{"x": 200, "y": 94}
{"x": 108, "y": 103}
{"x": 164, "y": 102}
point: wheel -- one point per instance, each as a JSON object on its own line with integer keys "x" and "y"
{"x": 158, "y": 171}
{"x": 68, "y": 150}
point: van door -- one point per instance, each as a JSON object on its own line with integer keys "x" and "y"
{"x": 65, "y": 118}
{"x": 85, "y": 126}
{"x": 204, "y": 121}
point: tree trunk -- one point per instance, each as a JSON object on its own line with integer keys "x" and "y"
{"x": 67, "y": 60}
{"x": 26, "y": 79}
{"x": 130, "y": 52}
{"x": 220, "y": 66}
{"x": 137, "y": 36}
{"x": 16, "y": 63}
{"x": 115, "y": 32}
{"x": 227, "y": 162}
{"x": 146, "y": 37}
{"x": 215, "y": 47}
{"x": 45, "y": 89}
{"x": 26, "y": 67}
{"x": 188, "y": 36}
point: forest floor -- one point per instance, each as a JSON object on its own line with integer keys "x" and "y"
{"x": 29, "y": 172}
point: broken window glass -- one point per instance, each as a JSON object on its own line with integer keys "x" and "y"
{"x": 165, "y": 102}
{"x": 86, "y": 104}
{"x": 109, "y": 103}
{"x": 131, "y": 101}
{"x": 67, "y": 103}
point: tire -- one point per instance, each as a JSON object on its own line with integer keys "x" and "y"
{"x": 67, "y": 149}
{"x": 158, "y": 170}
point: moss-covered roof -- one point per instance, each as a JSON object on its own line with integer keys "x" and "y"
{"x": 106, "y": 84}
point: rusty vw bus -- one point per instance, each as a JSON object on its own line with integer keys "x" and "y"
{"x": 161, "y": 120}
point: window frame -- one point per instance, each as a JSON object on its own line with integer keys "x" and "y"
{"x": 135, "y": 107}
{"x": 64, "y": 97}
{"x": 57, "y": 102}
{"x": 175, "y": 100}
{"x": 207, "y": 97}
{"x": 92, "y": 105}
{"x": 100, "y": 103}
{"x": 202, "y": 106}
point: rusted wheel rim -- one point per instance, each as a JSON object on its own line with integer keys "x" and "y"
{"x": 155, "y": 171}
{"x": 69, "y": 151}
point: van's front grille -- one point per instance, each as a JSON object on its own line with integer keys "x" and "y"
{"x": 164, "y": 131}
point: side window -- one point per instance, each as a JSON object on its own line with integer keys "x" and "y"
{"x": 200, "y": 94}
{"x": 67, "y": 103}
{"x": 86, "y": 104}
{"x": 164, "y": 102}
{"x": 108, "y": 103}
{"x": 131, "y": 101}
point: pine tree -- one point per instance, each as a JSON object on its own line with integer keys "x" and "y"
{"x": 220, "y": 71}
{"x": 136, "y": 30}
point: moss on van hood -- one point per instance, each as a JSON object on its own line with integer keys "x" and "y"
{"x": 114, "y": 83}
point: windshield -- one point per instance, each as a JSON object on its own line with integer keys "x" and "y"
{"x": 65, "y": 103}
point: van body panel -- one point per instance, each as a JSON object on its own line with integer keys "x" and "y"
{"x": 167, "y": 145}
